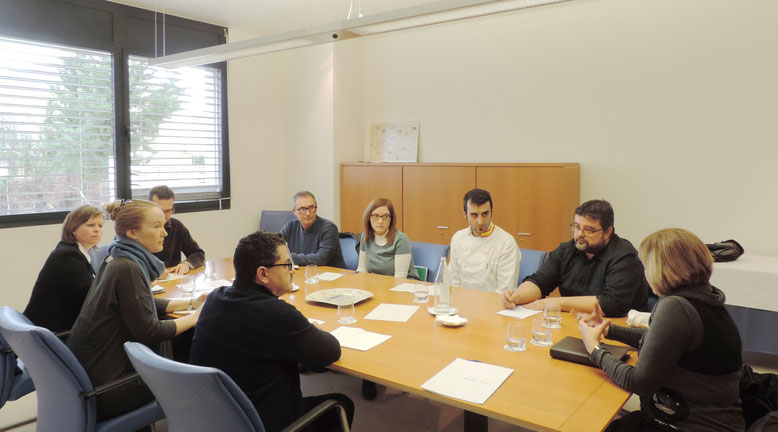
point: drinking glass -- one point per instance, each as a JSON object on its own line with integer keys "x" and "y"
{"x": 515, "y": 337}
{"x": 346, "y": 313}
{"x": 187, "y": 285}
{"x": 421, "y": 293}
{"x": 541, "y": 335}
{"x": 553, "y": 315}
{"x": 311, "y": 278}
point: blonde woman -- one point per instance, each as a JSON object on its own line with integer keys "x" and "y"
{"x": 687, "y": 374}
{"x": 120, "y": 307}
{"x": 67, "y": 274}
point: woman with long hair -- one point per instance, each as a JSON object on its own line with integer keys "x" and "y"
{"x": 688, "y": 369}
{"x": 383, "y": 249}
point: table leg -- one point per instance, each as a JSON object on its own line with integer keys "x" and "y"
{"x": 476, "y": 422}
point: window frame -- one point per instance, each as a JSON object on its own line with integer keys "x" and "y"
{"x": 84, "y": 24}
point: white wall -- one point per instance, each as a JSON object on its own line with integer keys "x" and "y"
{"x": 668, "y": 105}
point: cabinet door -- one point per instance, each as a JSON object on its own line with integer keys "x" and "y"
{"x": 529, "y": 203}
{"x": 361, "y": 184}
{"x": 432, "y": 207}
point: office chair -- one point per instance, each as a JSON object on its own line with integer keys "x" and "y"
{"x": 274, "y": 220}
{"x": 348, "y": 246}
{"x": 530, "y": 262}
{"x": 15, "y": 380}
{"x": 428, "y": 255}
{"x": 197, "y": 398}
{"x": 66, "y": 397}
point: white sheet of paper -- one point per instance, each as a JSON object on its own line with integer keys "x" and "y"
{"x": 172, "y": 276}
{"x": 403, "y": 287}
{"x": 392, "y": 312}
{"x": 329, "y": 276}
{"x": 211, "y": 285}
{"x": 468, "y": 380}
{"x": 518, "y": 312}
{"x": 357, "y": 338}
{"x": 315, "y": 321}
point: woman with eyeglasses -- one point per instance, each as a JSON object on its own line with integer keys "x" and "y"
{"x": 688, "y": 369}
{"x": 65, "y": 278}
{"x": 120, "y": 307}
{"x": 383, "y": 249}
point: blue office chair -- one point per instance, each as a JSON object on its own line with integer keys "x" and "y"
{"x": 66, "y": 398}
{"x": 530, "y": 262}
{"x": 348, "y": 246}
{"x": 15, "y": 380}
{"x": 97, "y": 256}
{"x": 428, "y": 255}
{"x": 274, "y": 220}
{"x": 197, "y": 398}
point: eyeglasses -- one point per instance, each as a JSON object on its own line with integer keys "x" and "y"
{"x": 307, "y": 210}
{"x": 376, "y": 217}
{"x": 587, "y": 231}
{"x": 288, "y": 265}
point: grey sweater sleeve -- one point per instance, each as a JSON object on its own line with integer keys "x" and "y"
{"x": 674, "y": 330}
{"x": 628, "y": 335}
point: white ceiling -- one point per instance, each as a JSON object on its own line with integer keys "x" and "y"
{"x": 263, "y": 17}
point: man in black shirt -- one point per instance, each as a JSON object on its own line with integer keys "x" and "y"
{"x": 178, "y": 238}
{"x": 595, "y": 266}
{"x": 258, "y": 339}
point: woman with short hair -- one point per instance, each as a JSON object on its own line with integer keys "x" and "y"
{"x": 383, "y": 249}
{"x": 688, "y": 369}
{"x": 67, "y": 274}
{"x": 120, "y": 307}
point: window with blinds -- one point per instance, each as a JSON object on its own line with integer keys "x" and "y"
{"x": 56, "y": 127}
{"x": 175, "y": 130}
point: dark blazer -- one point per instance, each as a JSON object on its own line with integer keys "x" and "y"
{"x": 258, "y": 340}
{"x": 61, "y": 288}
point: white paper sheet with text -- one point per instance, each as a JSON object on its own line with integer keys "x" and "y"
{"x": 392, "y": 312}
{"x": 357, "y": 338}
{"x": 518, "y": 312}
{"x": 468, "y": 380}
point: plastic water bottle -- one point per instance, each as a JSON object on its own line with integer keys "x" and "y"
{"x": 444, "y": 298}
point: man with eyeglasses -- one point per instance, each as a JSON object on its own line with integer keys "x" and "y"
{"x": 259, "y": 340}
{"x": 178, "y": 239}
{"x": 312, "y": 239}
{"x": 483, "y": 255}
{"x": 596, "y": 266}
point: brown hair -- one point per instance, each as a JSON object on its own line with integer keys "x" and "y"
{"x": 675, "y": 257}
{"x": 369, "y": 232}
{"x": 128, "y": 214}
{"x": 77, "y": 217}
{"x": 162, "y": 192}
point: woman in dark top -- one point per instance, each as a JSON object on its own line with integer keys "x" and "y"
{"x": 65, "y": 278}
{"x": 120, "y": 307}
{"x": 688, "y": 369}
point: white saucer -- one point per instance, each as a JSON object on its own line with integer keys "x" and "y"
{"x": 431, "y": 310}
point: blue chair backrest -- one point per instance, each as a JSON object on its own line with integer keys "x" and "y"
{"x": 348, "y": 248}
{"x": 15, "y": 380}
{"x": 98, "y": 256}
{"x": 530, "y": 262}
{"x": 428, "y": 255}
{"x": 51, "y": 363}
{"x": 274, "y": 220}
{"x": 194, "y": 398}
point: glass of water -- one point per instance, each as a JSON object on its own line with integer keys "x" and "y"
{"x": 346, "y": 313}
{"x": 187, "y": 285}
{"x": 515, "y": 337}
{"x": 421, "y": 293}
{"x": 553, "y": 315}
{"x": 541, "y": 335}
{"x": 311, "y": 278}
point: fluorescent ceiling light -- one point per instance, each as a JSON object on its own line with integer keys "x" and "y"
{"x": 417, "y": 16}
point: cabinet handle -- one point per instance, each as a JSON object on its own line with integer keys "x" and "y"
{"x": 524, "y": 234}
{"x": 442, "y": 227}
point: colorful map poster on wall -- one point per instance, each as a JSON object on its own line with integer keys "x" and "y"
{"x": 394, "y": 142}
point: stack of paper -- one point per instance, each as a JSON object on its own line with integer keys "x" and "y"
{"x": 468, "y": 380}
{"x": 357, "y": 338}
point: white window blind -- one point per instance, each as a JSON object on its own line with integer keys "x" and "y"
{"x": 56, "y": 127}
{"x": 175, "y": 130}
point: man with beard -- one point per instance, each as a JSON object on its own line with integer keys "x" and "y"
{"x": 596, "y": 266}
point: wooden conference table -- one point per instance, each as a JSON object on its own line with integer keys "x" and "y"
{"x": 541, "y": 394}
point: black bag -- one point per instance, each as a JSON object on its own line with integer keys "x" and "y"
{"x": 724, "y": 251}
{"x": 758, "y": 393}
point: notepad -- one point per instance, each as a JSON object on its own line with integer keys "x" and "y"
{"x": 392, "y": 312}
{"x": 519, "y": 312}
{"x": 468, "y": 380}
{"x": 357, "y": 338}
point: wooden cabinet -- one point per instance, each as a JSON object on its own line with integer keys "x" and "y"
{"x": 533, "y": 202}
